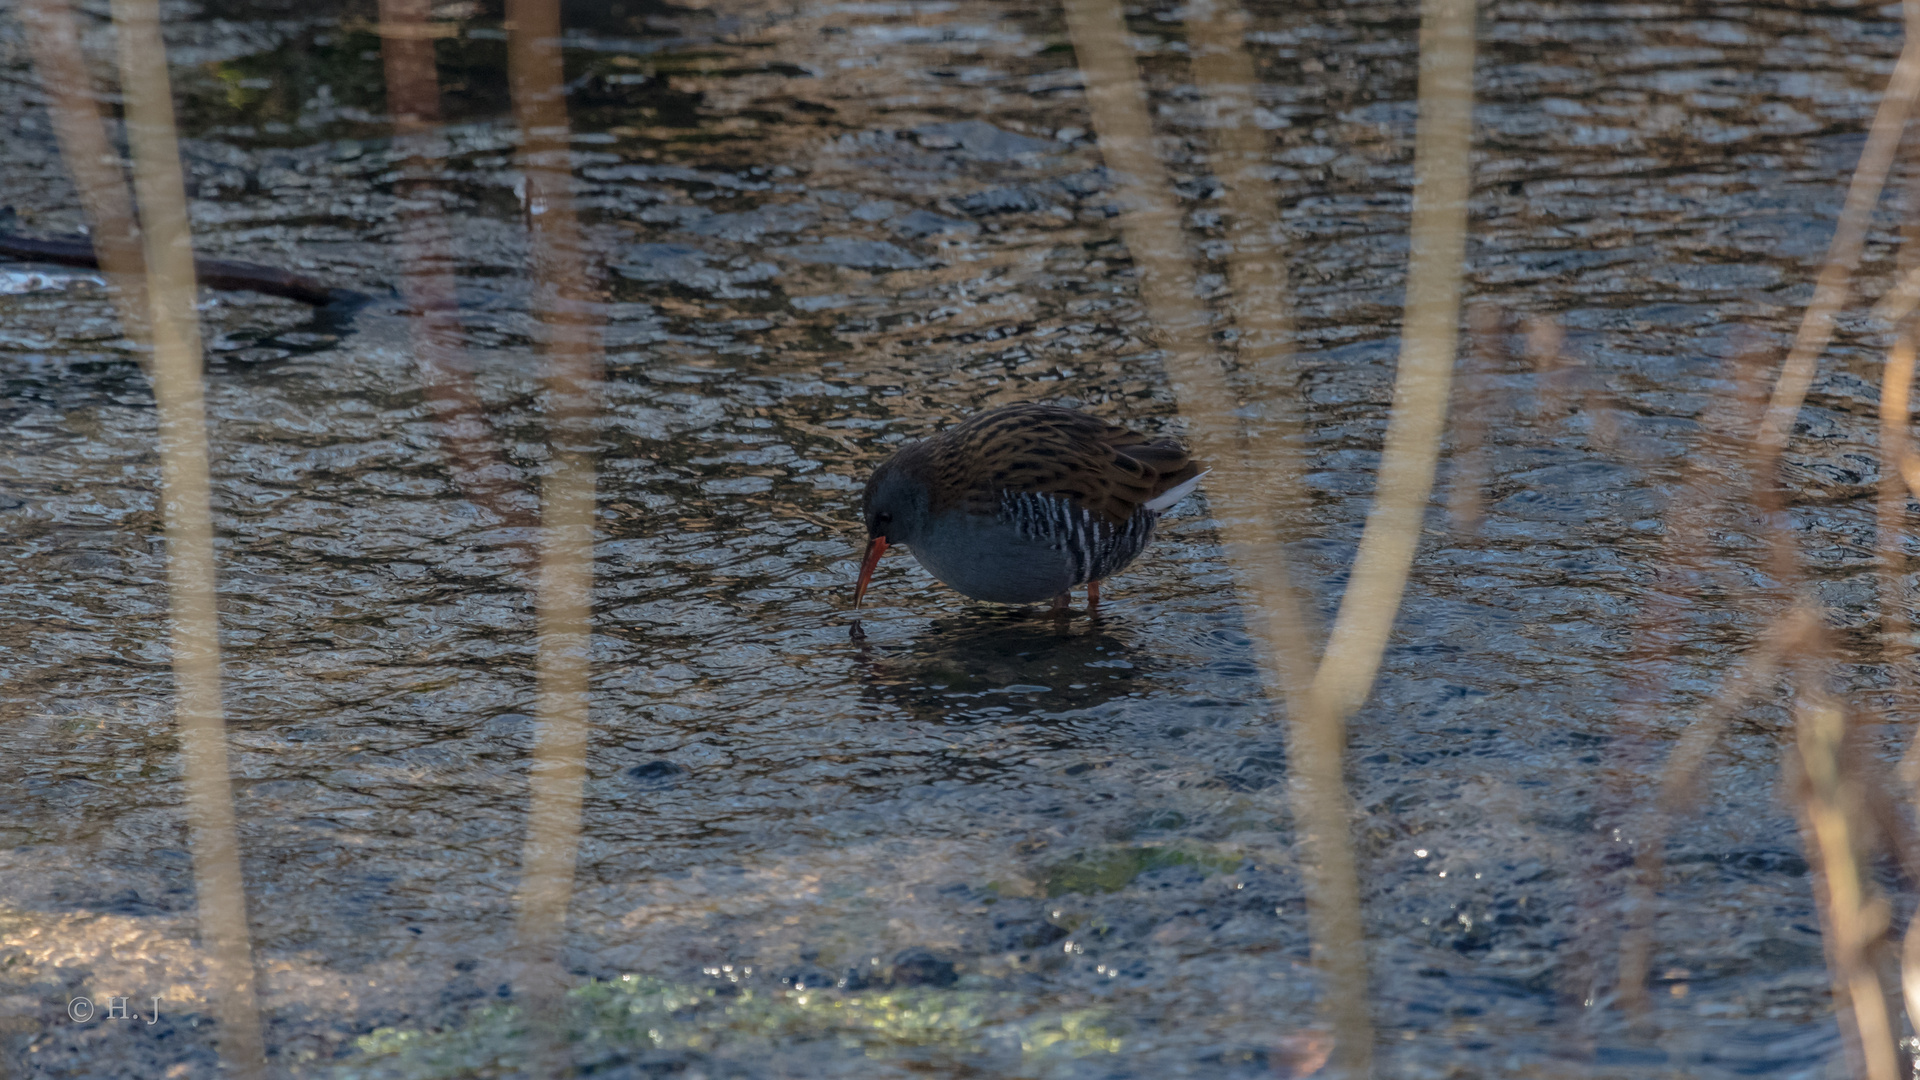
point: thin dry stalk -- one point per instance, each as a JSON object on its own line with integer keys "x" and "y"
{"x": 1910, "y": 472}
{"x": 1567, "y": 387}
{"x": 1838, "y": 831}
{"x": 1833, "y": 285}
{"x": 1910, "y": 970}
{"x": 1257, "y": 246}
{"x": 1443, "y": 140}
{"x": 1896, "y": 414}
{"x": 1256, "y": 258}
{"x": 1700, "y": 491}
{"x": 89, "y": 157}
{"x": 1151, "y": 228}
{"x": 1481, "y": 360}
{"x": 1551, "y": 372}
{"x": 1899, "y": 300}
{"x": 475, "y": 460}
{"x": 1343, "y": 679}
{"x": 1564, "y": 387}
{"x": 186, "y": 508}
{"x": 1603, "y": 415}
{"x": 1276, "y": 616}
{"x": 572, "y": 355}
{"x": 1679, "y": 782}
{"x": 1897, "y": 457}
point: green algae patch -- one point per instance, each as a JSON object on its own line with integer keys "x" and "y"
{"x": 1106, "y": 870}
{"x": 640, "y": 1019}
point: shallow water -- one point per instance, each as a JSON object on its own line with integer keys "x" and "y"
{"x": 824, "y": 231}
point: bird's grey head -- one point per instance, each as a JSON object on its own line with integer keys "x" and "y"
{"x": 895, "y": 505}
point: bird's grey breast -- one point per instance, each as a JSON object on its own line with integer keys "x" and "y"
{"x": 990, "y": 558}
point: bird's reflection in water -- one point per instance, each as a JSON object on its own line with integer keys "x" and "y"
{"x": 1000, "y": 661}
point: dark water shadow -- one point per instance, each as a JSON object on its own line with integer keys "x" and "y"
{"x": 1008, "y": 662}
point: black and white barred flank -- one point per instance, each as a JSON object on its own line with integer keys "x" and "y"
{"x": 1097, "y": 548}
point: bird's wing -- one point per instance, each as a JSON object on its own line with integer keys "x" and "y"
{"x": 1047, "y": 450}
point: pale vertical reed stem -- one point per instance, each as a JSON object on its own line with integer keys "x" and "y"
{"x": 1896, "y": 415}
{"x": 90, "y": 158}
{"x": 1831, "y": 288}
{"x": 1257, "y": 246}
{"x": 565, "y": 593}
{"x": 475, "y": 460}
{"x": 186, "y": 500}
{"x": 1275, "y": 615}
{"x": 1896, "y": 419}
{"x": 1257, "y": 276}
{"x": 1603, "y": 415}
{"x": 1443, "y": 140}
{"x": 1151, "y": 229}
{"x": 1838, "y": 834}
{"x": 1910, "y": 970}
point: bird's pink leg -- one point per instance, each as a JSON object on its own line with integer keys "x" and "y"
{"x": 1061, "y": 600}
{"x": 1093, "y": 596}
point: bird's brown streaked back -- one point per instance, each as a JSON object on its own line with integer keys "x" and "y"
{"x": 1052, "y": 451}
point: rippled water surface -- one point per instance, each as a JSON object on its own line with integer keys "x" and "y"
{"x": 1020, "y": 846}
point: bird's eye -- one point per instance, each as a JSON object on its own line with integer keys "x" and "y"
{"x": 883, "y": 519}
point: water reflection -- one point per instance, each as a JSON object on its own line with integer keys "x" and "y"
{"x": 987, "y": 665}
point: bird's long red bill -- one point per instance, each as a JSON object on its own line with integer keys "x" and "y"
{"x": 876, "y": 548}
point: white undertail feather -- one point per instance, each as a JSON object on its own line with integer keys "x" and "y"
{"x": 1167, "y": 498}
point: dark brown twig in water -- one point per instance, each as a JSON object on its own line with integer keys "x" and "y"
{"x": 225, "y": 274}
{"x": 570, "y": 320}
{"x": 475, "y": 460}
{"x": 90, "y": 159}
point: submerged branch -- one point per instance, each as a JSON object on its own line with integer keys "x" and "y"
{"x": 227, "y": 274}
